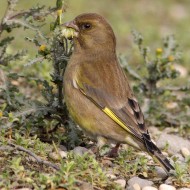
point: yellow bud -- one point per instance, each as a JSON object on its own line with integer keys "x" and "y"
{"x": 1, "y": 114}
{"x": 69, "y": 33}
{"x": 159, "y": 51}
{"x": 171, "y": 58}
{"x": 42, "y": 47}
{"x": 59, "y": 12}
{"x": 172, "y": 67}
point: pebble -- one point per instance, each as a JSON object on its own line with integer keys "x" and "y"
{"x": 141, "y": 182}
{"x": 166, "y": 187}
{"x": 161, "y": 172}
{"x": 145, "y": 155}
{"x": 165, "y": 154}
{"x": 107, "y": 162}
{"x": 136, "y": 186}
{"x": 149, "y": 188}
{"x": 121, "y": 182}
{"x": 169, "y": 181}
{"x": 62, "y": 147}
{"x": 154, "y": 131}
{"x": 54, "y": 156}
{"x": 179, "y": 157}
{"x": 185, "y": 152}
{"x": 175, "y": 142}
{"x": 111, "y": 176}
{"x": 86, "y": 186}
{"x": 63, "y": 154}
{"x": 79, "y": 150}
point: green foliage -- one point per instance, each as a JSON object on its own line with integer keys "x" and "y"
{"x": 165, "y": 105}
{"x": 17, "y": 109}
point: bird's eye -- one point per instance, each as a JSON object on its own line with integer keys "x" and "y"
{"x": 86, "y": 26}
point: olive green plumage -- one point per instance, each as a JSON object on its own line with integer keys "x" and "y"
{"x": 97, "y": 92}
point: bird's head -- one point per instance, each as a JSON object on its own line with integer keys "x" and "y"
{"x": 92, "y": 30}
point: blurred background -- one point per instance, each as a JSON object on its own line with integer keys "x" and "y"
{"x": 154, "y": 19}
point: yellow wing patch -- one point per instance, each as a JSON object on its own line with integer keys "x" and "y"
{"x": 109, "y": 113}
{"x": 114, "y": 117}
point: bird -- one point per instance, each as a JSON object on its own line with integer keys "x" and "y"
{"x": 97, "y": 92}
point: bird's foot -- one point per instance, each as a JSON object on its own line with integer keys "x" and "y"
{"x": 114, "y": 151}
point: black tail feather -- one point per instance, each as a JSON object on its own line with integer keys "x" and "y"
{"x": 156, "y": 153}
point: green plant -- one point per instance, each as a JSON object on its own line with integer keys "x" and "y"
{"x": 163, "y": 105}
{"x": 45, "y": 115}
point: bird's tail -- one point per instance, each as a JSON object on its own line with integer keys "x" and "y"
{"x": 163, "y": 161}
{"x": 155, "y": 152}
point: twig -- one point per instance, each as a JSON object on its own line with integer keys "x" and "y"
{"x": 38, "y": 159}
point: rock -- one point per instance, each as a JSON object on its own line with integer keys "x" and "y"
{"x": 169, "y": 181}
{"x": 79, "y": 150}
{"x": 166, "y": 187}
{"x": 141, "y": 182}
{"x": 62, "y": 147}
{"x": 161, "y": 172}
{"x": 149, "y": 188}
{"x": 165, "y": 154}
{"x": 134, "y": 187}
{"x": 86, "y": 186}
{"x": 145, "y": 155}
{"x": 154, "y": 131}
{"x": 54, "y": 156}
{"x": 111, "y": 176}
{"x": 121, "y": 182}
{"x": 185, "y": 152}
{"x": 179, "y": 157}
{"x": 184, "y": 188}
{"x": 107, "y": 162}
{"x": 63, "y": 154}
{"x": 175, "y": 143}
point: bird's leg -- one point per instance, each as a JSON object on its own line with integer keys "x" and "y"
{"x": 114, "y": 151}
{"x": 101, "y": 141}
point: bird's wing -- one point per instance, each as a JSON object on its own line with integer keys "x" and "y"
{"x": 114, "y": 97}
{"x": 129, "y": 116}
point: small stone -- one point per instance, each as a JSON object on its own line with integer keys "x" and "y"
{"x": 154, "y": 131}
{"x": 86, "y": 186}
{"x": 54, "y": 156}
{"x": 145, "y": 155}
{"x": 142, "y": 182}
{"x": 175, "y": 143}
{"x": 107, "y": 162}
{"x": 179, "y": 157}
{"x": 185, "y": 152}
{"x": 111, "y": 176}
{"x": 121, "y": 182}
{"x": 169, "y": 181}
{"x": 79, "y": 150}
{"x": 149, "y": 188}
{"x": 161, "y": 172}
{"x": 63, "y": 148}
{"x": 166, "y": 187}
{"x": 63, "y": 154}
{"x": 136, "y": 186}
{"x": 165, "y": 154}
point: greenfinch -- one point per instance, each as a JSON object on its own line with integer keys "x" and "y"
{"x": 97, "y": 91}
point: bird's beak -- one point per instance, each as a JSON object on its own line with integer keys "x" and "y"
{"x": 72, "y": 24}
{"x": 70, "y": 30}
